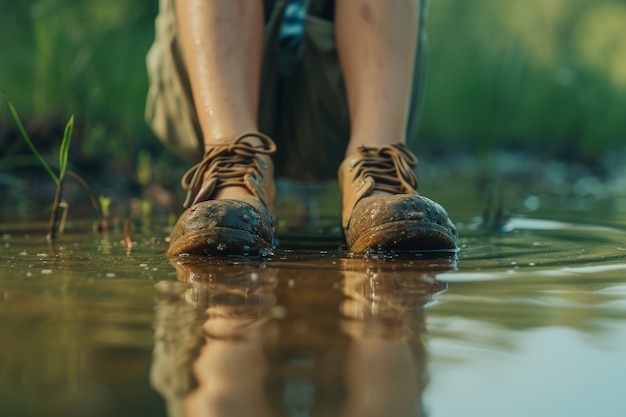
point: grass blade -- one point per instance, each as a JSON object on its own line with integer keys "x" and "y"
{"x": 29, "y": 143}
{"x": 65, "y": 148}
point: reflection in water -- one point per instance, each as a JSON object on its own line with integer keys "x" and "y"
{"x": 263, "y": 339}
{"x": 385, "y": 361}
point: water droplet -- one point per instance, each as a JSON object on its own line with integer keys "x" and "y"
{"x": 221, "y": 246}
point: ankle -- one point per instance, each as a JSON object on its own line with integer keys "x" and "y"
{"x": 249, "y": 137}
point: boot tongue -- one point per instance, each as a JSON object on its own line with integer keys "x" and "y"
{"x": 391, "y": 167}
{"x": 236, "y": 164}
{"x": 401, "y": 176}
{"x": 387, "y": 169}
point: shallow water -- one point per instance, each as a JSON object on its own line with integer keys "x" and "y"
{"x": 530, "y": 319}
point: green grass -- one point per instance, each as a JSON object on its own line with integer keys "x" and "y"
{"x": 542, "y": 74}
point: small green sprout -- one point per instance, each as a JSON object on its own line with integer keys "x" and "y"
{"x": 60, "y": 178}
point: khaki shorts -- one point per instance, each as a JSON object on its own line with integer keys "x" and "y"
{"x": 306, "y": 113}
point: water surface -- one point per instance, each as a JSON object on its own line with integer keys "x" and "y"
{"x": 528, "y": 319}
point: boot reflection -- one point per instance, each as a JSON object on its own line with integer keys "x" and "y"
{"x": 245, "y": 339}
{"x": 236, "y": 296}
{"x": 384, "y": 317}
{"x": 208, "y": 356}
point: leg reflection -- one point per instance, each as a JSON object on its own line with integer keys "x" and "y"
{"x": 208, "y": 356}
{"x": 249, "y": 340}
{"x": 386, "y": 359}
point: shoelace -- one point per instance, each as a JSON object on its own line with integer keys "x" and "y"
{"x": 229, "y": 164}
{"x": 390, "y": 166}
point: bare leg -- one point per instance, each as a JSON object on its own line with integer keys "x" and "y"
{"x": 377, "y": 42}
{"x": 222, "y": 43}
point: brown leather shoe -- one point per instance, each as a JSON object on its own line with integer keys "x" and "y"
{"x": 404, "y": 221}
{"x": 228, "y": 227}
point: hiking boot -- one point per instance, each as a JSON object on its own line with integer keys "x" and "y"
{"x": 381, "y": 209}
{"x": 244, "y": 226}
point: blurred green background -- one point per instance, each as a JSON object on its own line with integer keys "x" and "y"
{"x": 544, "y": 75}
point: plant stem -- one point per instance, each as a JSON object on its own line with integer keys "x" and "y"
{"x": 52, "y": 231}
